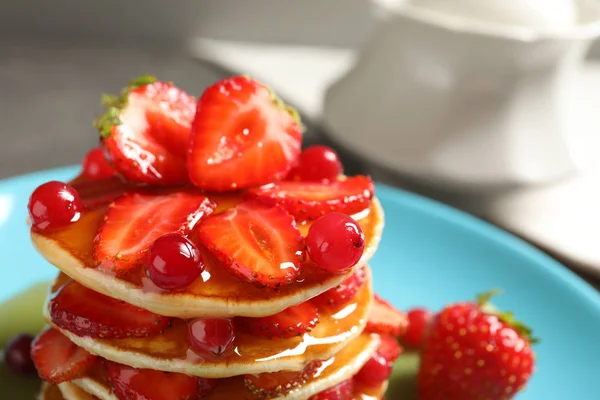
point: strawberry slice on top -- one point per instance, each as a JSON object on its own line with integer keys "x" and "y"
{"x": 259, "y": 244}
{"x": 242, "y": 136}
{"x": 135, "y": 220}
{"x": 145, "y": 131}
{"x": 85, "y": 312}
{"x": 308, "y": 201}
{"x": 57, "y": 359}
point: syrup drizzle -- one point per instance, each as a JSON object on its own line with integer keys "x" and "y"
{"x": 233, "y": 388}
{"x": 337, "y": 325}
{"x": 215, "y": 282}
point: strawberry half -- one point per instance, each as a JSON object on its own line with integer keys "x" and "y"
{"x": 57, "y": 359}
{"x": 257, "y": 243}
{"x": 293, "y": 321}
{"x": 385, "y": 319}
{"x": 135, "y": 220}
{"x": 344, "y": 292}
{"x": 85, "y": 312}
{"x": 130, "y": 383}
{"x": 276, "y": 384}
{"x": 309, "y": 200}
{"x": 242, "y": 136}
{"x": 145, "y": 131}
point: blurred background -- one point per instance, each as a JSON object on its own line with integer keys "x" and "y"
{"x": 344, "y": 64}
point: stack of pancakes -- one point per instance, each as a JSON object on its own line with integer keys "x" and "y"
{"x": 338, "y": 344}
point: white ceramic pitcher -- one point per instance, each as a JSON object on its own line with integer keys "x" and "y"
{"x": 446, "y": 97}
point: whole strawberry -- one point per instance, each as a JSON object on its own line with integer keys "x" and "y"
{"x": 474, "y": 352}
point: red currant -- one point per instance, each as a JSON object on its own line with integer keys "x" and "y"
{"x": 174, "y": 262}
{"x": 341, "y": 391}
{"x": 317, "y": 163}
{"x": 95, "y": 165}
{"x": 418, "y": 322}
{"x": 335, "y": 242}
{"x": 206, "y": 386}
{"x": 211, "y": 338}
{"x": 375, "y": 372}
{"x": 53, "y": 205}
{"x": 16, "y": 355}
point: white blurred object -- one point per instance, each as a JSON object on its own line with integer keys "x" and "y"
{"x": 561, "y": 216}
{"x": 299, "y": 73}
{"x": 539, "y": 14}
{"x": 467, "y": 104}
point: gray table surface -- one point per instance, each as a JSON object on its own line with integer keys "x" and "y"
{"x": 50, "y": 95}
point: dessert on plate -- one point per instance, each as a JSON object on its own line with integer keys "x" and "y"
{"x": 202, "y": 254}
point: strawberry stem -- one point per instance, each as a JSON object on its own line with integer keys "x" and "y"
{"x": 114, "y": 105}
{"x": 483, "y": 299}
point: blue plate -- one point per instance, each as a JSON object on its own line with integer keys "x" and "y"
{"x": 430, "y": 255}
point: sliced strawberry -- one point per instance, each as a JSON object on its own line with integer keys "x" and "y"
{"x": 206, "y": 386}
{"x": 293, "y": 321}
{"x": 130, "y": 383}
{"x": 135, "y": 220}
{"x": 100, "y": 192}
{"x": 276, "y": 384}
{"x": 258, "y": 243}
{"x": 378, "y": 368}
{"x": 310, "y": 200}
{"x": 341, "y": 391}
{"x": 344, "y": 292}
{"x": 145, "y": 131}
{"x": 389, "y": 348}
{"x": 385, "y": 319}
{"x": 242, "y": 136}
{"x": 57, "y": 359}
{"x": 85, "y": 312}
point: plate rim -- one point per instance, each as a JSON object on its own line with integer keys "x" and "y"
{"x": 535, "y": 256}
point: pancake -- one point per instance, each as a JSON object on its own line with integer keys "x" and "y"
{"x": 216, "y": 294}
{"x": 169, "y": 351}
{"x": 50, "y": 392}
{"x": 64, "y": 391}
{"x": 335, "y": 370}
{"x": 70, "y": 391}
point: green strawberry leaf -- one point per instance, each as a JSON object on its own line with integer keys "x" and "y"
{"x": 114, "y": 105}
{"x": 507, "y": 317}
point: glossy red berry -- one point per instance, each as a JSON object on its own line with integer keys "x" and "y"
{"x": 95, "y": 165}
{"x": 174, "y": 262}
{"x": 335, "y": 242}
{"x": 211, "y": 338}
{"x": 317, "y": 163}
{"x": 17, "y": 355}
{"x": 375, "y": 372}
{"x": 418, "y": 322}
{"x": 53, "y": 205}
